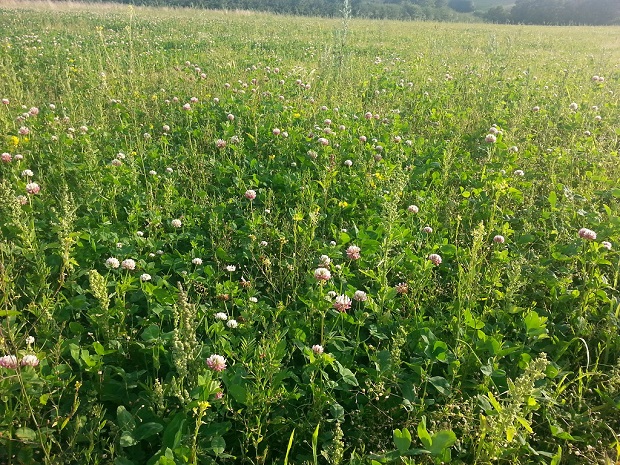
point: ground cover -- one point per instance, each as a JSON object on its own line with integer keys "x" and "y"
{"x": 247, "y": 238}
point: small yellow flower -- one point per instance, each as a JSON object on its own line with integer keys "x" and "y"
{"x": 343, "y": 204}
{"x": 13, "y": 141}
{"x": 296, "y": 115}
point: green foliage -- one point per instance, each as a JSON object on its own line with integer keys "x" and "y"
{"x": 162, "y": 299}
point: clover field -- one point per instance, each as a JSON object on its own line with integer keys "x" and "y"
{"x": 246, "y": 238}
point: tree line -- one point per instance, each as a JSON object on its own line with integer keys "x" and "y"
{"x": 550, "y": 12}
{"x": 557, "y": 12}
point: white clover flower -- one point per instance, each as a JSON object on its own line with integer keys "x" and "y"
{"x": 197, "y": 261}
{"x": 588, "y": 234}
{"x": 145, "y": 277}
{"x": 231, "y": 268}
{"x": 112, "y": 263}
{"x": 30, "y": 360}
{"x": 253, "y": 300}
{"x": 232, "y": 324}
{"x": 128, "y": 264}
{"x": 317, "y": 349}
{"x": 176, "y": 223}
{"x": 216, "y": 362}
{"x": 322, "y": 274}
{"x": 221, "y": 316}
{"x": 435, "y": 259}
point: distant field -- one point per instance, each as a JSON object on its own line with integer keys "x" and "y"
{"x": 229, "y": 237}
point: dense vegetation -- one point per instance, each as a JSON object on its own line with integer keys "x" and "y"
{"x": 557, "y": 12}
{"x": 235, "y": 238}
{"x": 550, "y": 12}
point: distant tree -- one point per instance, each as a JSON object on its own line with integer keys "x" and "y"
{"x": 497, "y": 14}
{"x": 462, "y": 6}
{"x": 596, "y": 12}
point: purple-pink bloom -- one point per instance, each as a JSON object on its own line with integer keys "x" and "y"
{"x": 216, "y": 362}
{"x": 435, "y": 258}
{"x": 588, "y": 234}
{"x": 30, "y": 360}
{"x": 353, "y": 252}
{"x": 342, "y": 303}
{"x": 322, "y": 274}
{"x": 33, "y": 188}
{"x": 9, "y": 361}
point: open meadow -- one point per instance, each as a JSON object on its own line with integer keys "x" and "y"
{"x": 254, "y": 239}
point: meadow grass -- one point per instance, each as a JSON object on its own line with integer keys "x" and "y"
{"x": 248, "y": 238}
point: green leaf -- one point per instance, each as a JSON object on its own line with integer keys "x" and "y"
{"x": 174, "y": 432}
{"x": 525, "y": 424}
{"x": 151, "y": 333}
{"x": 337, "y": 411}
{"x": 448, "y": 249}
{"x": 555, "y": 460}
{"x": 441, "y": 384}
{"x": 315, "y": 441}
{"x": 76, "y": 328}
{"x": 553, "y": 199}
{"x": 99, "y": 349}
{"x": 218, "y": 445}
{"x": 238, "y": 392}
{"x": 9, "y": 313}
{"x": 559, "y": 433}
{"x": 290, "y": 445}
{"x": 402, "y": 439}
{"x": 125, "y": 419}
{"x": 26, "y": 434}
{"x": 127, "y": 440}
{"x": 441, "y": 441}
{"x": 146, "y": 430}
{"x": 535, "y": 325}
{"x": 494, "y": 402}
{"x": 423, "y": 434}
{"x": 347, "y": 375}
